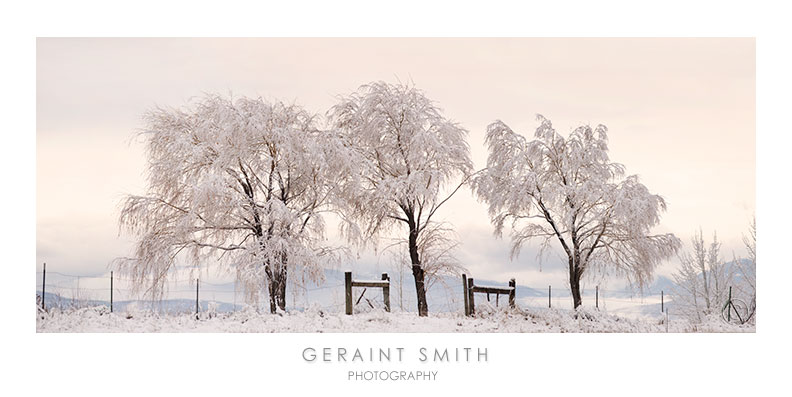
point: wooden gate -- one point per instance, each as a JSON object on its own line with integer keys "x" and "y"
{"x": 384, "y": 284}
{"x": 469, "y": 289}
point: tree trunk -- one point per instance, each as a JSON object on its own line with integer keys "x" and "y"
{"x": 574, "y": 281}
{"x": 706, "y": 287}
{"x": 282, "y": 291}
{"x": 418, "y": 274}
{"x": 574, "y": 284}
{"x": 575, "y": 270}
{"x": 277, "y": 290}
{"x": 420, "y": 289}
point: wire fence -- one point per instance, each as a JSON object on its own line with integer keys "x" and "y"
{"x": 64, "y": 291}
{"x": 184, "y": 294}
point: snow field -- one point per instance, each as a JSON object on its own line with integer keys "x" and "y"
{"x": 99, "y": 319}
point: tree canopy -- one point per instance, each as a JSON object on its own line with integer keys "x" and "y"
{"x": 410, "y": 156}
{"x": 244, "y": 181}
{"x": 566, "y": 189}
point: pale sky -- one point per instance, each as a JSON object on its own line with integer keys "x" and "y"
{"x": 680, "y": 113}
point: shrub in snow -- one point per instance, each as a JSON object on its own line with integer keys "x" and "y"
{"x": 211, "y": 309}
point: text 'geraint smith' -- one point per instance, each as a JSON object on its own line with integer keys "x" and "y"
{"x": 394, "y": 354}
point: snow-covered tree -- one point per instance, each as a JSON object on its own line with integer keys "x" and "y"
{"x": 241, "y": 181}
{"x": 744, "y": 277}
{"x": 748, "y": 267}
{"x": 687, "y": 290}
{"x": 411, "y": 156}
{"x": 703, "y": 279}
{"x": 567, "y": 190}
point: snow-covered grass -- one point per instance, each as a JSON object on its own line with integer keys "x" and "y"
{"x": 99, "y": 319}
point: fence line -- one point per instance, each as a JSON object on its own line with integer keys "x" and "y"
{"x": 443, "y": 297}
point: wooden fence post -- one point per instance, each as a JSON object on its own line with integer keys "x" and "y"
{"x": 597, "y": 301}
{"x": 386, "y": 292}
{"x": 666, "y": 320}
{"x": 465, "y": 294}
{"x": 550, "y": 296}
{"x": 512, "y": 293}
{"x": 348, "y": 286}
{"x": 662, "y": 302}
{"x": 111, "y": 291}
{"x": 44, "y": 288}
{"x": 471, "y": 299}
{"x": 197, "y": 308}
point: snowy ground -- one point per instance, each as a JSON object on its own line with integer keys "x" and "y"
{"x": 98, "y": 319}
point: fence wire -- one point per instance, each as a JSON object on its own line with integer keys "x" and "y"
{"x": 64, "y": 290}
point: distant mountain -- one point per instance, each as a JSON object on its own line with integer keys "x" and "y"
{"x": 735, "y": 267}
{"x": 166, "y": 305}
{"x": 661, "y": 283}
